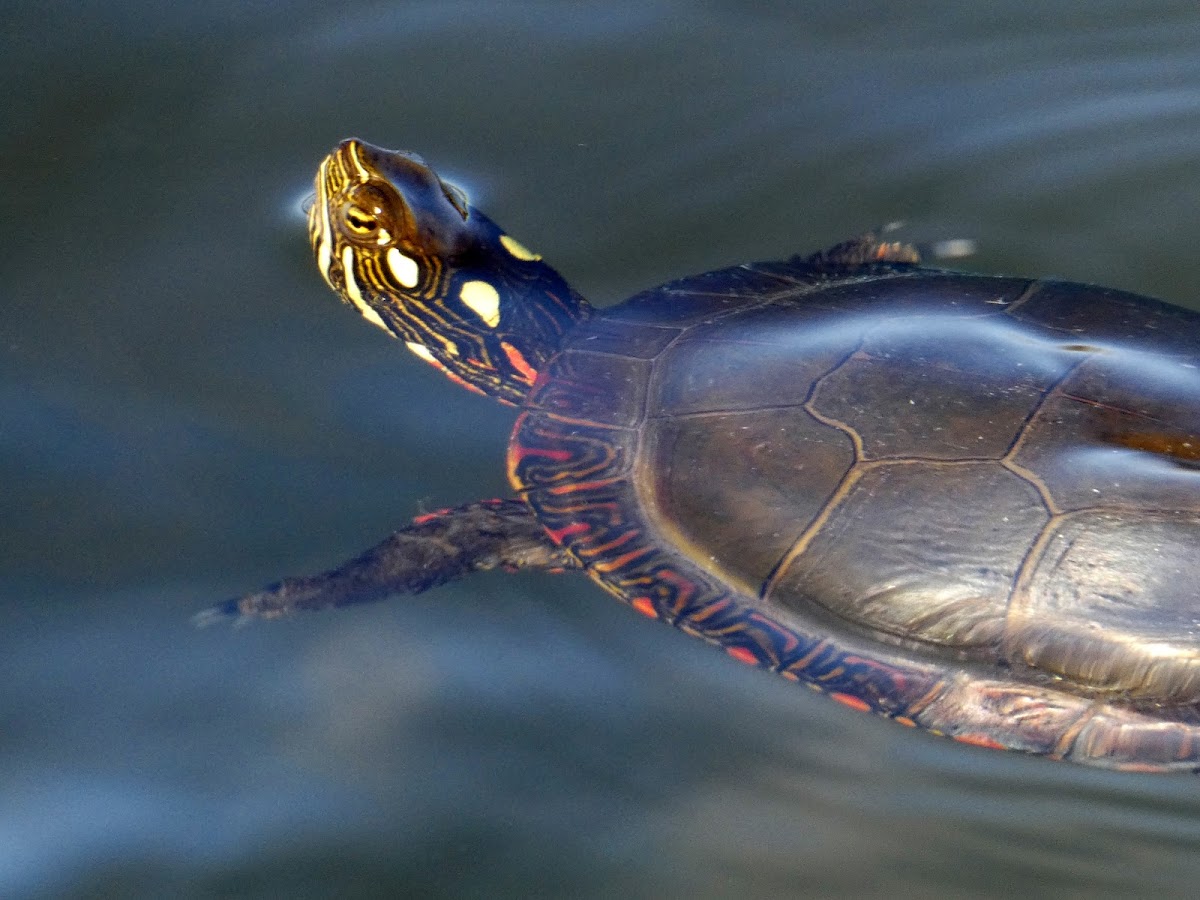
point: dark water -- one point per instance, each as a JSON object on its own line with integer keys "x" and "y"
{"x": 188, "y": 413}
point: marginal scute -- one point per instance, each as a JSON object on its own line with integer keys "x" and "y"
{"x": 1135, "y": 743}
{"x": 547, "y": 457}
{"x": 1113, "y": 317}
{"x": 1032, "y": 718}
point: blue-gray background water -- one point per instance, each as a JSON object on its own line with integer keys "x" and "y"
{"x": 186, "y": 413}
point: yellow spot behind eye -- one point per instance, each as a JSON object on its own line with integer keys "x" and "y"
{"x": 355, "y": 294}
{"x": 517, "y": 249}
{"x": 404, "y": 268}
{"x": 483, "y": 300}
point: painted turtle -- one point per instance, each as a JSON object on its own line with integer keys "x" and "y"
{"x": 967, "y": 503}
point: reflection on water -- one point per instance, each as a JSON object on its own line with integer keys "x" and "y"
{"x": 188, "y": 414}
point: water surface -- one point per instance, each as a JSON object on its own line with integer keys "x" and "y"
{"x": 189, "y": 414}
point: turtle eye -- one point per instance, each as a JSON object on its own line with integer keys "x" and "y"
{"x": 359, "y": 221}
{"x": 364, "y": 215}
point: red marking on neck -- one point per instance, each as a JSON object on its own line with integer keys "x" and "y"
{"x": 455, "y": 377}
{"x": 517, "y": 360}
{"x": 462, "y": 382}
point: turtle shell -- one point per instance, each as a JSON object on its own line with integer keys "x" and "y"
{"x": 968, "y": 503}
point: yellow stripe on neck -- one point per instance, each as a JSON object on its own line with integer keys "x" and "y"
{"x": 355, "y": 294}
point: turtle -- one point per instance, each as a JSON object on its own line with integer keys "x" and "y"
{"x": 967, "y": 503}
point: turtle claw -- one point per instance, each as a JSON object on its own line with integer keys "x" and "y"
{"x": 241, "y": 611}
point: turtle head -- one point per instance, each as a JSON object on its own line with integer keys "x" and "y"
{"x": 415, "y": 258}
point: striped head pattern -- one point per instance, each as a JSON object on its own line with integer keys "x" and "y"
{"x": 410, "y": 253}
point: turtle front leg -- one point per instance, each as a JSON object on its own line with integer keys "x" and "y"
{"x": 436, "y": 548}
